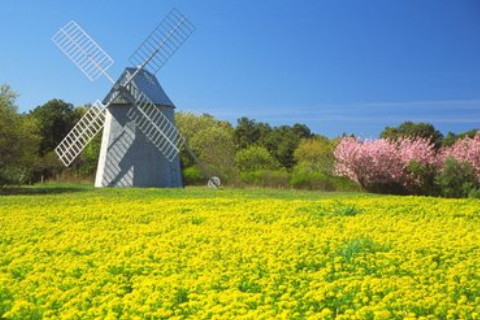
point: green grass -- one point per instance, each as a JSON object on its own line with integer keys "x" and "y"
{"x": 70, "y": 189}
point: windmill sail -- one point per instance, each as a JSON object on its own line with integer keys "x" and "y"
{"x": 81, "y": 134}
{"x": 83, "y": 51}
{"x": 163, "y": 42}
{"x": 155, "y": 125}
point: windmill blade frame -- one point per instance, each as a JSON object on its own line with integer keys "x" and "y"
{"x": 163, "y": 42}
{"x": 83, "y": 51}
{"x": 81, "y": 134}
{"x": 161, "y": 132}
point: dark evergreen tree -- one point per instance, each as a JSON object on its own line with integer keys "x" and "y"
{"x": 55, "y": 119}
{"x": 411, "y": 129}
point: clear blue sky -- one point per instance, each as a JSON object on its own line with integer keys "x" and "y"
{"x": 337, "y": 66}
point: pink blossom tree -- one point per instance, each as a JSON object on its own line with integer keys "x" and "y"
{"x": 464, "y": 150}
{"x": 408, "y": 162}
{"x": 368, "y": 162}
{"x": 420, "y": 150}
{"x": 418, "y": 156}
{"x": 382, "y": 161}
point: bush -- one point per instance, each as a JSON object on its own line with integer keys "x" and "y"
{"x": 457, "y": 179}
{"x": 386, "y": 188}
{"x": 345, "y": 184}
{"x": 315, "y": 180}
{"x": 193, "y": 176}
{"x": 255, "y": 158}
{"x": 13, "y": 176}
{"x": 315, "y": 154}
{"x": 420, "y": 178}
{"x": 474, "y": 193}
{"x": 266, "y": 178}
{"x": 215, "y": 149}
{"x": 465, "y": 150}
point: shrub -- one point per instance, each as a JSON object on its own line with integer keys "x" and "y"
{"x": 456, "y": 179}
{"x": 465, "y": 150}
{"x": 419, "y": 178}
{"x": 315, "y": 154}
{"x": 266, "y": 178}
{"x": 192, "y": 175}
{"x": 345, "y": 184}
{"x": 14, "y": 175}
{"x": 215, "y": 148}
{"x": 314, "y": 180}
{"x": 255, "y": 158}
{"x": 474, "y": 193}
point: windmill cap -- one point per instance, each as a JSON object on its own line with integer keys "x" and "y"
{"x": 147, "y": 83}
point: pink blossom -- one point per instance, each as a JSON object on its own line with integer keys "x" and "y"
{"x": 380, "y": 161}
{"x": 467, "y": 150}
{"x": 367, "y": 162}
{"x": 383, "y": 161}
{"x": 418, "y": 149}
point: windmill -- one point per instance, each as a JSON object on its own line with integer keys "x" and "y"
{"x": 140, "y": 143}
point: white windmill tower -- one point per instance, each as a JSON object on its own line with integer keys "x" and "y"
{"x": 140, "y": 143}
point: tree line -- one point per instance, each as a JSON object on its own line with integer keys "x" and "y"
{"x": 28, "y": 140}
{"x": 247, "y": 153}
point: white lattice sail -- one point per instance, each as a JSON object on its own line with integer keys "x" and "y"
{"x": 163, "y": 42}
{"x": 84, "y": 52}
{"x": 155, "y": 125}
{"x": 81, "y": 134}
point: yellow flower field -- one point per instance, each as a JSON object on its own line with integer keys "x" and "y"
{"x": 229, "y": 254}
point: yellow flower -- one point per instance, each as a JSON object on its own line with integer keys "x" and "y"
{"x": 192, "y": 254}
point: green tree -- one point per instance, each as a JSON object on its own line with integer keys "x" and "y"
{"x": 411, "y": 129}
{"x": 248, "y": 132}
{"x": 457, "y": 179}
{"x": 315, "y": 154}
{"x": 191, "y": 125}
{"x": 255, "y": 158}
{"x": 18, "y": 140}
{"x": 302, "y": 130}
{"x": 55, "y": 119}
{"x": 215, "y": 148}
{"x": 281, "y": 142}
{"x": 451, "y": 137}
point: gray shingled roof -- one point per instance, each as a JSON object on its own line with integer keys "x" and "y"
{"x": 148, "y": 84}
